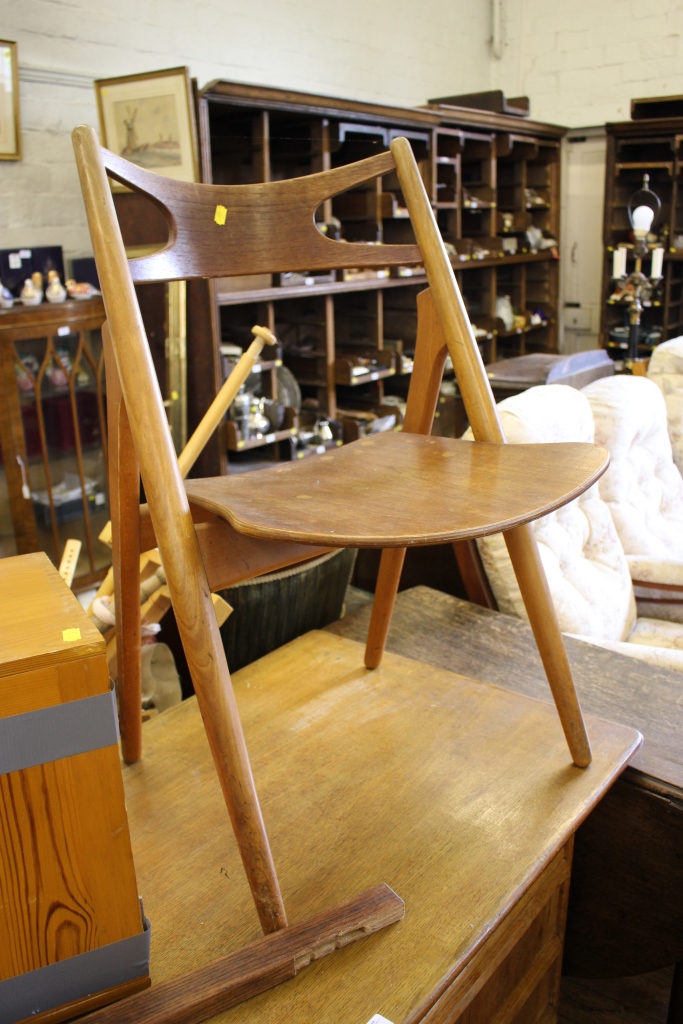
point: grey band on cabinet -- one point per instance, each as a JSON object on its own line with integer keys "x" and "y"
{"x": 76, "y": 977}
{"x": 63, "y": 730}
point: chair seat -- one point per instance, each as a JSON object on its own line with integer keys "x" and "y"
{"x": 399, "y": 489}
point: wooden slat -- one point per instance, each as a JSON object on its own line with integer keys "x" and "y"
{"x": 258, "y": 966}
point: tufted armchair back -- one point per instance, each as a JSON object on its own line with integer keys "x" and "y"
{"x": 587, "y": 572}
{"x": 642, "y": 487}
{"x": 666, "y": 370}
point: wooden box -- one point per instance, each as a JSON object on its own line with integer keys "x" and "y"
{"x": 72, "y": 934}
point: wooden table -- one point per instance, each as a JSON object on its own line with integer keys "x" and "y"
{"x": 626, "y": 903}
{"x": 460, "y": 796}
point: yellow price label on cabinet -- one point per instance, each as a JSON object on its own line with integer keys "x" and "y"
{"x": 71, "y": 634}
{"x": 220, "y": 215}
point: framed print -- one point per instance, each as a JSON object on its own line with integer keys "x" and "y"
{"x": 10, "y": 136}
{"x": 149, "y": 119}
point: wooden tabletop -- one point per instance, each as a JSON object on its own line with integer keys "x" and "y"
{"x": 454, "y": 793}
{"x": 445, "y": 631}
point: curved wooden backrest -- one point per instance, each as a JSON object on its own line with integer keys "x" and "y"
{"x": 226, "y": 230}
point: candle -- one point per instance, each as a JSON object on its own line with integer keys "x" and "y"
{"x": 657, "y": 263}
{"x": 619, "y": 263}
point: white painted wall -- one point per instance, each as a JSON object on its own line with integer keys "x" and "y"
{"x": 392, "y": 51}
{"x": 581, "y": 62}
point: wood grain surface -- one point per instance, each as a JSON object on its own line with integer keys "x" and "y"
{"x": 267, "y": 227}
{"x": 395, "y": 490}
{"x": 66, "y": 873}
{"x": 455, "y": 794}
{"x": 67, "y": 881}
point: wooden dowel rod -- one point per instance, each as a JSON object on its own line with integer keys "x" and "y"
{"x": 221, "y": 403}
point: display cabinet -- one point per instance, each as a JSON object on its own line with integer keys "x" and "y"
{"x": 53, "y": 433}
{"x": 652, "y": 146}
{"x": 347, "y": 338}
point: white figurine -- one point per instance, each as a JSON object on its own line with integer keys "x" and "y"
{"x": 81, "y": 290}
{"x": 55, "y": 291}
{"x": 30, "y": 295}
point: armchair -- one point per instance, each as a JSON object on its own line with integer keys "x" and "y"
{"x": 643, "y": 487}
{"x": 666, "y": 370}
{"x": 584, "y": 561}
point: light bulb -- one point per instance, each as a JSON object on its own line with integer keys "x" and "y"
{"x": 642, "y": 219}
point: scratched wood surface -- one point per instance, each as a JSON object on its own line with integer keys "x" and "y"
{"x": 67, "y": 880}
{"x": 453, "y": 793}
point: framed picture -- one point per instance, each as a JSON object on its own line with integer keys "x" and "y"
{"x": 10, "y": 135}
{"x": 149, "y": 119}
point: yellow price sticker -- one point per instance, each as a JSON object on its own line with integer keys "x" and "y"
{"x": 220, "y": 215}
{"x": 71, "y": 634}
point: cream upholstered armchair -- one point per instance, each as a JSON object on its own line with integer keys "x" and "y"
{"x": 584, "y": 561}
{"x": 643, "y": 486}
{"x": 666, "y": 370}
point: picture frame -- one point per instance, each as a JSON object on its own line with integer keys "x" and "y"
{"x": 10, "y": 131}
{"x": 150, "y": 120}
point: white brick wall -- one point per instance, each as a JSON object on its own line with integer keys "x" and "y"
{"x": 582, "y": 62}
{"x": 393, "y": 51}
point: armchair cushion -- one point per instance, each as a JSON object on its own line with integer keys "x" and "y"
{"x": 642, "y": 486}
{"x": 584, "y": 562}
{"x": 666, "y": 370}
{"x": 588, "y": 573}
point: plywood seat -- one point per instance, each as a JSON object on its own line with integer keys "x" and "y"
{"x": 398, "y": 489}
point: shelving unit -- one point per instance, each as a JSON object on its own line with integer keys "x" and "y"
{"x": 653, "y": 146}
{"x": 349, "y": 337}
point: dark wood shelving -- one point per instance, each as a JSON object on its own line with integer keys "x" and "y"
{"x": 635, "y": 148}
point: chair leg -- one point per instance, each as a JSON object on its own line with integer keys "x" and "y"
{"x": 388, "y": 579}
{"x": 124, "y": 500}
{"x": 526, "y": 560}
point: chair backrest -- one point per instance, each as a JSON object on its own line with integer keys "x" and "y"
{"x": 666, "y": 370}
{"x": 226, "y": 230}
{"x": 642, "y": 486}
{"x": 229, "y": 230}
{"x": 583, "y": 559}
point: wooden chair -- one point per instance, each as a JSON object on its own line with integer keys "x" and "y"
{"x": 390, "y": 490}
